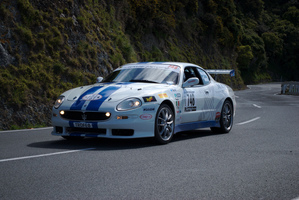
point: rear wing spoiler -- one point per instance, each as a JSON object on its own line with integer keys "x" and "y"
{"x": 231, "y": 72}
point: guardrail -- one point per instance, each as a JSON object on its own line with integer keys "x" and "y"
{"x": 290, "y": 88}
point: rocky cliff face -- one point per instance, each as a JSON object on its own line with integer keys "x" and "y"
{"x": 48, "y": 47}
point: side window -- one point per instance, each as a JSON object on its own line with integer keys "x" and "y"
{"x": 190, "y": 72}
{"x": 205, "y": 78}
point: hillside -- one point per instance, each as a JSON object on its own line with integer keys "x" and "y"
{"x": 49, "y": 46}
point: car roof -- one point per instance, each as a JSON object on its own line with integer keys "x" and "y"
{"x": 181, "y": 64}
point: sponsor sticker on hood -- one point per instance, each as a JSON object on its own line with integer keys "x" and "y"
{"x": 91, "y": 97}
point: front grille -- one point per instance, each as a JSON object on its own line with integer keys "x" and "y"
{"x": 95, "y": 131}
{"x": 79, "y": 115}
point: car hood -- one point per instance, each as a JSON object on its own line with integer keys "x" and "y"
{"x": 114, "y": 92}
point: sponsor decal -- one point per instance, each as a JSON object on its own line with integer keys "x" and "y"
{"x": 146, "y": 116}
{"x": 177, "y": 103}
{"x": 148, "y": 109}
{"x": 172, "y": 90}
{"x": 178, "y": 95}
{"x": 164, "y": 95}
{"x": 190, "y": 104}
{"x": 218, "y": 114}
{"x": 188, "y": 92}
{"x": 188, "y": 109}
{"x": 149, "y": 99}
{"x": 173, "y": 66}
{"x": 91, "y": 97}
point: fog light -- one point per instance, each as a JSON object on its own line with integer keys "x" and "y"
{"x": 61, "y": 112}
{"x": 108, "y": 114}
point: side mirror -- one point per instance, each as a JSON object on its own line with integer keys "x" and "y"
{"x": 191, "y": 82}
{"x": 99, "y": 79}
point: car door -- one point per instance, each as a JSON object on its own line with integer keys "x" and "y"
{"x": 195, "y": 103}
{"x": 208, "y": 107}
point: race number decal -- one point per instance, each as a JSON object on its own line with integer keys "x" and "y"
{"x": 190, "y": 104}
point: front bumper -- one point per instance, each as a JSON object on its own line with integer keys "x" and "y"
{"x": 130, "y": 124}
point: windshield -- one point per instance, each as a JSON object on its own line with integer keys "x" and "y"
{"x": 149, "y": 74}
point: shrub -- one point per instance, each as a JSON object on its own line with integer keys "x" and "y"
{"x": 26, "y": 35}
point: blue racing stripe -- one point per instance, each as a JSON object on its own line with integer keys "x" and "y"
{"x": 79, "y": 103}
{"x": 95, "y": 105}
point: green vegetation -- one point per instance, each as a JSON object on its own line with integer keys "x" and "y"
{"x": 57, "y": 45}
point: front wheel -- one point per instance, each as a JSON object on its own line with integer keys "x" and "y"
{"x": 226, "y": 119}
{"x": 164, "y": 124}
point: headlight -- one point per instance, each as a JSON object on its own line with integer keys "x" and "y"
{"x": 59, "y": 101}
{"x": 129, "y": 104}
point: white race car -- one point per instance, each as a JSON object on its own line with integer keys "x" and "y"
{"x": 146, "y": 99}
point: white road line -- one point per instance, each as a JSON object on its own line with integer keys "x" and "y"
{"x": 246, "y": 122}
{"x": 44, "y": 155}
{"x": 20, "y": 130}
{"x": 257, "y": 106}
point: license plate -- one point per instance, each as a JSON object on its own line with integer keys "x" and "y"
{"x": 82, "y": 125}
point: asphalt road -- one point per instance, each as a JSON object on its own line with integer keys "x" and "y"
{"x": 258, "y": 159}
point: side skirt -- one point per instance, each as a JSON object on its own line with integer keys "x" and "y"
{"x": 196, "y": 125}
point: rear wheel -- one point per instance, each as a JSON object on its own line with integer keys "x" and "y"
{"x": 226, "y": 119}
{"x": 164, "y": 124}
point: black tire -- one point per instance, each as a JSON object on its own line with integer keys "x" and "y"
{"x": 226, "y": 119}
{"x": 164, "y": 124}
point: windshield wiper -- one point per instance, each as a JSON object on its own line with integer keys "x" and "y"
{"x": 143, "y": 81}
